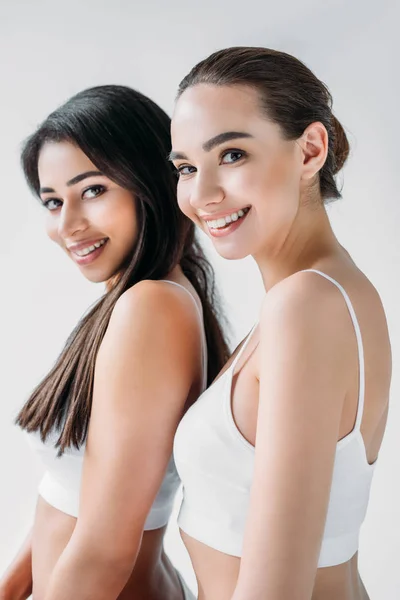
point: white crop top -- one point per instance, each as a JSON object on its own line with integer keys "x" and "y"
{"x": 61, "y": 483}
{"x": 215, "y": 464}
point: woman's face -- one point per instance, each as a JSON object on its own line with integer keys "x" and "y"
{"x": 93, "y": 219}
{"x": 239, "y": 179}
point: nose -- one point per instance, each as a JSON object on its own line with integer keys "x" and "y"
{"x": 71, "y": 221}
{"x": 206, "y": 192}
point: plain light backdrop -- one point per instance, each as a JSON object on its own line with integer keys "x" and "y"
{"x": 51, "y": 50}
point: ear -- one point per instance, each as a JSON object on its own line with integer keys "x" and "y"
{"x": 314, "y": 145}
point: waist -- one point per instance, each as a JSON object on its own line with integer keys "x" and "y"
{"x": 227, "y": 536}
{"x": 51, "y": 534}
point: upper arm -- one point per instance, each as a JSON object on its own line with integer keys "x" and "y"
{"x": 144, "y": 370}
{"x": 302, "y": 375}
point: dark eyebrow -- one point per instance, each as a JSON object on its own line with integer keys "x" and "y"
{"x": 213, "y": 142}
{"x": 224, "y": 137}
{"x": 73, "y": 181}
{"x": 176, "y": 156}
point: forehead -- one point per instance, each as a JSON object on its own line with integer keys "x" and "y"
{"x": 206, "y": 110}
{"x": 60, "y": 161}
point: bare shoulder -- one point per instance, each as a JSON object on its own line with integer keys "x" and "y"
{"x": 152, "y": 323}
{"x": 306, "y": 337}
{"x": 154, "y": 302}
{"x": 305, "y": 299}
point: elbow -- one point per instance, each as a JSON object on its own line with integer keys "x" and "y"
{"x": 121, "y": 563}
{"x": 119, "y": 556}
{"x": 105, "y": 560}
{"x": 106, "y": 575}
{"x": 113, "y": 564}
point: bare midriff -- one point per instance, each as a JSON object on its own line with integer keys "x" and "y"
{"x": 153, "y": 576}
{"x": 217, "y": 574}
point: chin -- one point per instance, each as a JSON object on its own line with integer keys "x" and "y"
{"x": 103, "y": 273}
{"x": 97, "y": 276}
{"x": 232, "y": 253}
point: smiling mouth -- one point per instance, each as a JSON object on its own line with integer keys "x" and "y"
{"x": 224, "y": 222}
{"x": 89, "y": 249}
{"x": 87, "y": 256}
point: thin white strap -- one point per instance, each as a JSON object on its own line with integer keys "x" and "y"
{"x": 204, "y": 339}
{"x": 361, "y": 393}
{"x": 242, "y": 349}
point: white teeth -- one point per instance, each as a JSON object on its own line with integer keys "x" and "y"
{"x": 89, "y": 249}
{"x": 223, "y": 221}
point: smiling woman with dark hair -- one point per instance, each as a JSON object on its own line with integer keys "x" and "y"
{"x": 277, "y": 456}
{"x": 104, "y": 417}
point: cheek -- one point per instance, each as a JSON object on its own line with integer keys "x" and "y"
{"x": 272, "y": 188}
{"x": 121, "y": 222}
{"x": 183, "y": 196}
{"x": 280, "y": 204}
{"x": 280, "y": 186}
{"x": 260, "y": 183}
{"x": 51, "y": 228}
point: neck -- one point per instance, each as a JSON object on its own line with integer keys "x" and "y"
{"x": 309, "y": 241}
{"x": 175, "y": 275}
{"x": 112, "y": 282}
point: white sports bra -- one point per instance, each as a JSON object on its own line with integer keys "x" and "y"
{"x": 61, "y": 483}
{"x": 215, "y": 464}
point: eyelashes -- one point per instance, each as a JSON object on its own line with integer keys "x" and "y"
{"x": 100, "y": 189}
{"x": 91, "y": 192}
{"x": 180, "y": 170}
{"x": 232, "y": 152}
{"x": 185, "y": 170}
{"x": 48, "y": 203}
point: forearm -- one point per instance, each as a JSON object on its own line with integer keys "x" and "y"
{"x": 16, "y": 583}
{"x": 84, "y": 575}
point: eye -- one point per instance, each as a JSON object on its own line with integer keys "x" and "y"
{"x": 232, "y": 156}
{"x": 185, "y": 170}
{"x": 93, "y": 191}
{"x": 52, "y": 203}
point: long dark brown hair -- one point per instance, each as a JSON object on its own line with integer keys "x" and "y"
{"x": 127, "y": 137}
{"x": 290, "y": 94}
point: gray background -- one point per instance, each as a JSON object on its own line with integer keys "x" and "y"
{"x": 50, "y": 50}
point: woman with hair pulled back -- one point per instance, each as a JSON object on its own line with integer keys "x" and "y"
{"x": 277, "y": 456}
{"x": 104, "y": 418}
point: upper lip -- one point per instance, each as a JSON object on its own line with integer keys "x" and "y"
{"x": 84, "y": 244}
{"x": 217, "y": 216}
